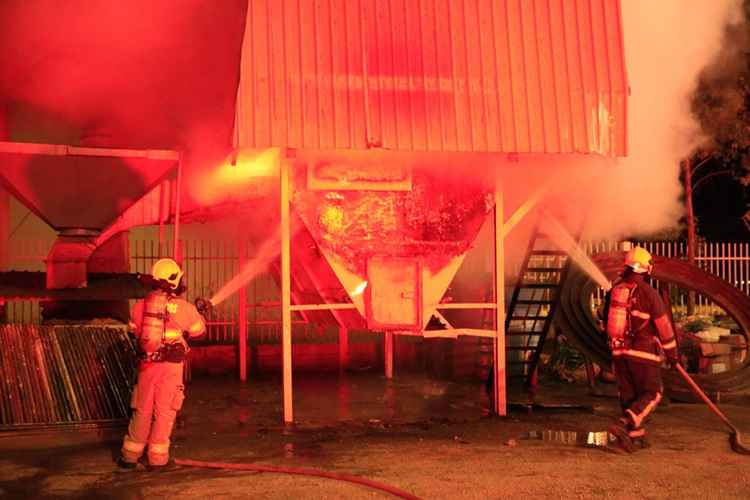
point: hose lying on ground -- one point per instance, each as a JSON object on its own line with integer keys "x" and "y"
{"x": 734, "y": 436}
{"x": 300, "y": 471}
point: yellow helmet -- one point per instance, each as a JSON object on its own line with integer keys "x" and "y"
{"x": 639, "y": 260}
{"x": 167, "y": 270}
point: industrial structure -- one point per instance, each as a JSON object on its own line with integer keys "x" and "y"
{"x": 382, "y": 127}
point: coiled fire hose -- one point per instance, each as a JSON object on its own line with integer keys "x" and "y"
{"x": 299, "y": 471}
{"x": 575, "y": 317}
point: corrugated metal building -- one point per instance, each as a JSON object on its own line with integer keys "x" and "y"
{"x": 514, "y": 76}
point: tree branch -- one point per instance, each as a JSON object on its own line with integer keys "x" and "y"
{"x": 697, "y": 183}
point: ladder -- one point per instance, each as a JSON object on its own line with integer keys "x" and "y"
{"x": 532, "y": 305}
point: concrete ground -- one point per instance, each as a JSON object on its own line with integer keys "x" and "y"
{"x": 430, "y": 438}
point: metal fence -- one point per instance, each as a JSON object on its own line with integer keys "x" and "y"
{"x": 209, "y": 264}
{"x": 26, "y": 255}
{"x": 729, "y": 261}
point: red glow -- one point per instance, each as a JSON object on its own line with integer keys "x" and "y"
{"x": 359, "y": 289}
{"x": 243, "y": 166}
{"x": 332, "y": 219}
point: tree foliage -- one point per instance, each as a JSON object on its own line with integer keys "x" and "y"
{"x": 721, "y": 105}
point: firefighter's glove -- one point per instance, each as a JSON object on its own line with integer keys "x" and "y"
{"x": 204, "y": 306}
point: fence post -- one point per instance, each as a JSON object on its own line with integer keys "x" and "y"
{"x": 688, "y": 169}
{"x": 178, "y": 199}
{"x": 4, "y": 242}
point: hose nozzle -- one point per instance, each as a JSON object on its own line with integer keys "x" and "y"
{"x": 204, "y": 306}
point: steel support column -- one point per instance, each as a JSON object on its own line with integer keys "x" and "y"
{"x": 499, "y": 342}
{"x": 388, "y": 354}
{"x": 162, "y": 216}
{"x": 523, "y": 210}
{"x": 177, "y": 207}
{"x": 286, "y": 292}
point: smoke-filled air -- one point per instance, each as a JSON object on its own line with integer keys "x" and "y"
{"x": 667, "y": 45}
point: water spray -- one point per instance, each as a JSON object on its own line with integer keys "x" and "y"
{"x": 563, "y": 239}
{"x": 268, "y": 251}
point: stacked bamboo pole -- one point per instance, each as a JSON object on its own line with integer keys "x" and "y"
{"x": 64, "y": 374}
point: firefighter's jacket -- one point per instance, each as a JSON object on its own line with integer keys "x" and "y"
{"x": 181, "y": 316}
{"x": 650, "y": 329}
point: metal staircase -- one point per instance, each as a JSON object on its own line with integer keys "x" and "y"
{"x": 533, "y": 304}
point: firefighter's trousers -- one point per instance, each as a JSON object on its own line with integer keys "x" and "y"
{"x": 157, "y": 397}
{"x": 640, "y": 387}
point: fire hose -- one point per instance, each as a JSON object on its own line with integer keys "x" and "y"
{"x": 205, "y": 306}
{"x": 575, "y": 317}
{"x": 300, "y": 471}
{"x": 734, "y": 435}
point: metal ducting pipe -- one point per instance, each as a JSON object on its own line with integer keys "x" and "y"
{"x": 68, "y": 258}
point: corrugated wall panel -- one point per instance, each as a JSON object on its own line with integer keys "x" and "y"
{"x": 416, "y": 61}
{"x": 547, "y": 64}
{"x": 292, "y": 121}
{"x": 543, "y": 76}
{"x": 487, "y": 46}
{"x": 618, "y": 76}
{"x": 277, "y": 59}
{"x": 475, "y": 75}
{"x": 558, "y": 55}
{"x": 574, "y": 74}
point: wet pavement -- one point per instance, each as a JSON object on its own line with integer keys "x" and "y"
{"x": 432, "y": 438}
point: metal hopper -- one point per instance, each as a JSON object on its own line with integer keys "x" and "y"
{"x": 79, "y": 192}
{"x": 394, "y": 229}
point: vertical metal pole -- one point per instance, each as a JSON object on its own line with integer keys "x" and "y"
{"x": 242, "y": 309}
{"x": 4, "y": 242}
{"x": 499, "y": 343}
{"x": 688, "y": 171}
{"x": 388, "y": 354}
{"x": 162, "y": 191}
{"x": 178, "y": 196}
{"x": 343, "y": 348}
{"x": 286, "y": 313}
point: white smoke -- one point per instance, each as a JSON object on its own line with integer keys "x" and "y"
{"x": 667, "y": 45}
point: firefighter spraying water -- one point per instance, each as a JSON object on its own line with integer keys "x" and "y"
{"x": 640, "y": 336}
{"x": 161, "y": 324}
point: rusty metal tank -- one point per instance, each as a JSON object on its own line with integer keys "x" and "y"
{"x": 394, "y": 228}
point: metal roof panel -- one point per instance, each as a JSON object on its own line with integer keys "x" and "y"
{"x": 515, "y": 76}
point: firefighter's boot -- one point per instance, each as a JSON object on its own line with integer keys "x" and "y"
{"x": 638, "y": 437}
{"x": 624, "y": 441}
{"x": 125, "y": 465}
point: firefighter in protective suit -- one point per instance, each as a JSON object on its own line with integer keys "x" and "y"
{"x": 640, "y": 336}
{"x": 161, "y": 322}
